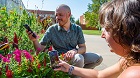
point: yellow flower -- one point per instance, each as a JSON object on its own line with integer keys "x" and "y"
{"x": 19, "y": 69}
{"x": 11, "y": 12}
{"x": 3, "y": 8}
{"x": 20, "y": 8}
{"x": 9, "y": 24}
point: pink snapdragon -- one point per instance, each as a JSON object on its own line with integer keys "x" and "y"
{"x": 17, "y": 53}
{"x": 9, "y": 56}
{"x": 27, "y": 54}
{"x": 38, "y": 50}
{"x": 1, "y": 56}
{"x": 5, "y": 59}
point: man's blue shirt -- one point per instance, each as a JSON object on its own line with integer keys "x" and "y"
{"x": 61, "y": 39}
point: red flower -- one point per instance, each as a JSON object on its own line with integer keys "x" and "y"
{"x": 9, "y": 74}
{"x": 29, "y": 70}
{"x": 0, "y": 71}
{"x": 42, "y": 31}
{"x": 6, "y": 41}
{"x": 6, "y": 67}
{"x": 50, "y": 49}
{"x": 15, "y": 41}
{"x": 63, "y": 54}
{"x": 39, "y": 65}
{"x": 15, "y": 38}
{"x": 44, "y": 62}
{"x": 31, "y": 50}
{"x": 32, "y": 60}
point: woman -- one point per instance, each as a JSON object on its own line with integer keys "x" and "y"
{"x": 120, "y": 20}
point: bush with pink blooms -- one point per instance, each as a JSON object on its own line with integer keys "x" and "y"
{"x": 17, "y": 55}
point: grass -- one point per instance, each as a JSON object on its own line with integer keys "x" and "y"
{"x": 92, "y": 32}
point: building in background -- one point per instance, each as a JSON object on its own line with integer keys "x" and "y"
{"x": 42, "y": 14}
{"x": 82, "y": 20}
{"x": 46, "y": 18}
{"x": 83, "y": 24}
{"x": 12, "y": 4}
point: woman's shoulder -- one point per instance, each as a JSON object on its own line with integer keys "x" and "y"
{"x": 131, "y": 72}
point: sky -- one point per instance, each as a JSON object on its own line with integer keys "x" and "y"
{"x": 78, "y": 7}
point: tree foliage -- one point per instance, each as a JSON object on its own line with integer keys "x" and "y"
{"x": 77, "y": 22}
{"x": 91, "y": 15}
{"x": 72, "y": 19}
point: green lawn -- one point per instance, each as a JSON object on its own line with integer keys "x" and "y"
{"x": 92, "y": 32}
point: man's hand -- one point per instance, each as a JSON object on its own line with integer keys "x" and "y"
{"x": 30, "y": 36}
{"x": 38, "y": 47}
{"x": 70, "y": 54}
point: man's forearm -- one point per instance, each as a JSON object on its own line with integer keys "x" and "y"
{"x": 81, "y": 50}
{"x": 38, "y": 46}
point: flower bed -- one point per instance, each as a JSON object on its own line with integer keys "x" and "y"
{"x": 18, "y": 57}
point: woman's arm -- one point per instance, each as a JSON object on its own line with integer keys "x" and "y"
{"x": 110, "y": 72}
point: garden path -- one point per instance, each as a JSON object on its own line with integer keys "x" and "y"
{"x": 97, "y": 44}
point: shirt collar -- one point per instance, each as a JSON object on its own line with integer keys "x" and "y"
{"x": 59, "y": 28}
{"x": 71, "y": 27}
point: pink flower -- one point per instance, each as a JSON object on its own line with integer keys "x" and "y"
{"x": 17, "y": 53}
{"x": 4, "y": 59}
{"x": 27, "y": 55}
{"x": 18, "y": 58}
{"x": 38, "y": 49}
{"x": 9, "y": 56}
{"x": 1, "y": 56}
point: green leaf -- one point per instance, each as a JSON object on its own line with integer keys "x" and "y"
{"x": 41, "y": 56}
{"x": 2, "y": 52}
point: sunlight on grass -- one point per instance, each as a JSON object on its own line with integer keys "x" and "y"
{"x": 92, "y": 32}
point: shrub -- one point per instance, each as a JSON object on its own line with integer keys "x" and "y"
{"x": 18, "y": 57}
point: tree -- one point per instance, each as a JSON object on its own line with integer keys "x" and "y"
{"x": 91, "y": 15}
{"x": 72, "y": 19}
{"x": 77, "y": 22}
